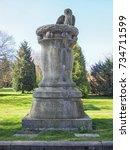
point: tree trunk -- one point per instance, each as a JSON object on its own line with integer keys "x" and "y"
{"x": 22, "y": 89}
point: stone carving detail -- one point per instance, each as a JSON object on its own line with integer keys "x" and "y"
{"x": 67, "y": 18}
{"x": 49, "y": 34}
{"x": 57, "y": 31}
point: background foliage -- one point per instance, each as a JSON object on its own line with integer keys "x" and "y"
{"x": 101, "y": 77}
{"x": 24, "y": 74}
{"x": 79, "y": 71}
{"x": 7, "y": 52}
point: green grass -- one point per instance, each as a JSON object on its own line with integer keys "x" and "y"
{"x": 14, "y": 106}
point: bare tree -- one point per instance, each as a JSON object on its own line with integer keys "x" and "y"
{"x": 7, "y": 45}
{"x": 7, "y": 50}
{"x": 5, "y": 73}
{"x": 37, "y": 61}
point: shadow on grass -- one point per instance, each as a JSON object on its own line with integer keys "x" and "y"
{"x": 103, "y": 127}
{"x": 98, "y": 97}
{"x": 6, "y": 90}
{"x": 8, "y": 129}
{"x": 14, "y": 94}
{"x": 90, "y": 107}
{"x": 100, "y": 124}
{"x": 8, "y": 124}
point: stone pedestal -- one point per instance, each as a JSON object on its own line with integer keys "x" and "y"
{"x": 56, "y": 103}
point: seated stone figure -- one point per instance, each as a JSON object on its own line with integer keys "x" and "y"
{"x": 67, "y": 18}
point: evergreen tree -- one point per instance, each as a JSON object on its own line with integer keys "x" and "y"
{"x": 24, "y": 75}
{"x": 79, "y": 71}
{"x": 101, "y": 78}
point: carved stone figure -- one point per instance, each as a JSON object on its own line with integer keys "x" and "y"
{"x": 49, "y": 34}
{"x": 57, "y": 103}
{"x": 67, "y": 18}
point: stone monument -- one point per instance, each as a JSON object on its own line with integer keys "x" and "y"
{"x": 57, "y": 103}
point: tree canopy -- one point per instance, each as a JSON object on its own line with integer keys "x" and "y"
{"x": 7, "y": 50}
{"x": 7, "y": 46}
{"x": 24, "y": 75}
{"x": 101, "y": 77}
{"x": 79, "y": 71}
{"x": 5, "y": 72}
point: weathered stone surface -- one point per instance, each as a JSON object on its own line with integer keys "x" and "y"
{"x": 57, "y": 31}
{"x": 4, "y": 145}
{"x": 56, "y": 103}
{"x": 107, "y": 145}
{"x": 56, "y": 124}
{"x": 57, "y": 59}
{"x": 40, "y": 145}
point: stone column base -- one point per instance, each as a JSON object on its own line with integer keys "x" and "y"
{"x": 29, "y": 123}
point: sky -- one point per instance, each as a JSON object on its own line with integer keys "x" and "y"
{"x": 21, "y": 18}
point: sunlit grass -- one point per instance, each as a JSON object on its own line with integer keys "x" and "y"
{"x": 14, "y": 106}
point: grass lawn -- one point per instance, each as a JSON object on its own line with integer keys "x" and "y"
{"x": 14, "y": 106}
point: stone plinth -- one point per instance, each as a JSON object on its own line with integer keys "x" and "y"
{"x": 56, "y": 103}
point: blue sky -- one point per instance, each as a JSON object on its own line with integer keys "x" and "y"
{"x": 21, "y": 18}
